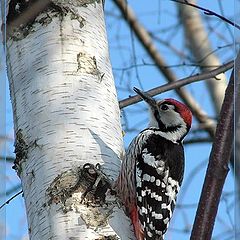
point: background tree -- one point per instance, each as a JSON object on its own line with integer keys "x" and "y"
{"x": 156, "y": 40}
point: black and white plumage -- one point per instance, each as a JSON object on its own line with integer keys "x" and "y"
{"x": 152, "y": 171}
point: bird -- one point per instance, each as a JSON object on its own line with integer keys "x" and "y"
{"x": 152, "y": 170}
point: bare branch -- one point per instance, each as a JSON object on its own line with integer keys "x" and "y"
{"x": 6, "y": 138}
{"x": 10, "y": 199}
{"x": 177, "y": 84}
{"x": 207, "y": 12}
{"x": 145, "y": 38}
{"x": 218, "y": 166}
{"x": 153, "y": 52}
{"x": 198, "y": 140}
{"x": 8, "y": 159}
{"x": 200, "y": 46}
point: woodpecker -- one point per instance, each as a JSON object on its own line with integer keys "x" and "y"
{"x": 152, "y": 170}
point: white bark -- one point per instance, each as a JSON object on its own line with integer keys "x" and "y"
{"x": 199, "y": 43}
{"x": 3, "y": 140}
{"x": 64, "y": 98}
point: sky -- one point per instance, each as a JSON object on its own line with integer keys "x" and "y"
{"x": 147, "y": 77}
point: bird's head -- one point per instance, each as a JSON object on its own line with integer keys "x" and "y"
{"x": 169, "y": 116}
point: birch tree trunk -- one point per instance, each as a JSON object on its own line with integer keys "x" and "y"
{"x": 66, "y": 114}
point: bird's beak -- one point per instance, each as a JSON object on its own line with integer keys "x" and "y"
{"x": 151, "y": 102}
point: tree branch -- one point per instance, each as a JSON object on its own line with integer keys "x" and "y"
{"x": 8, "y": 159}
{"x": 218, "y": 166}
{"x": 200, "y": 46}
{"x": 144, "y": 38}
{"x": 198, "y": 140}
{"x": 177, "y": 84}
{"x": 146, "y": 41}
{"x": 236, "y": 151}
{"x": 10, "y": 199}
{"x": 207, "y": 12}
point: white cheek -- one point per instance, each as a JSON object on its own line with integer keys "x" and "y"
{"x": 167, "y": 119}
{"x": 171, "y": 119}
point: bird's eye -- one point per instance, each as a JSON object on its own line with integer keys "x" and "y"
{"x": 164, "y": 107}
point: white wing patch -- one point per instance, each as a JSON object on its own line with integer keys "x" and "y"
{"x": 172, "y": 189}
{"x": 153, "y": 161}
{"x": 165, "y": 196}
{"x": 138, "y": 177}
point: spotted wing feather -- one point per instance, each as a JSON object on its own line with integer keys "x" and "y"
{"x": 150, "y": 164}
{"x": 158, "y": 175}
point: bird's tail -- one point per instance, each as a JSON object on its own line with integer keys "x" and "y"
{"x": 136, "y": 225}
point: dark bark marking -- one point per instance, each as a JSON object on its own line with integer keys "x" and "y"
{"x": 88, "y": 179}
{"x": 21, "y": 150}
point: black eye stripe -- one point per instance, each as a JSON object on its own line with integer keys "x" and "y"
{"x": 156, "y": 115}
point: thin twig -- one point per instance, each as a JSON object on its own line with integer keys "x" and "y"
{"x": 207, "y": 12}
{"x": 10, "y": 199}
{"x": 177, "y": 84}
{"x": 198, "y": 140}
{"x": 144, "y": 37}
{"x": 8, "y": 159}
{"x": 187, "y": 205}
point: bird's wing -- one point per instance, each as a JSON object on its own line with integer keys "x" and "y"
{"x": 158, "y": 179}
